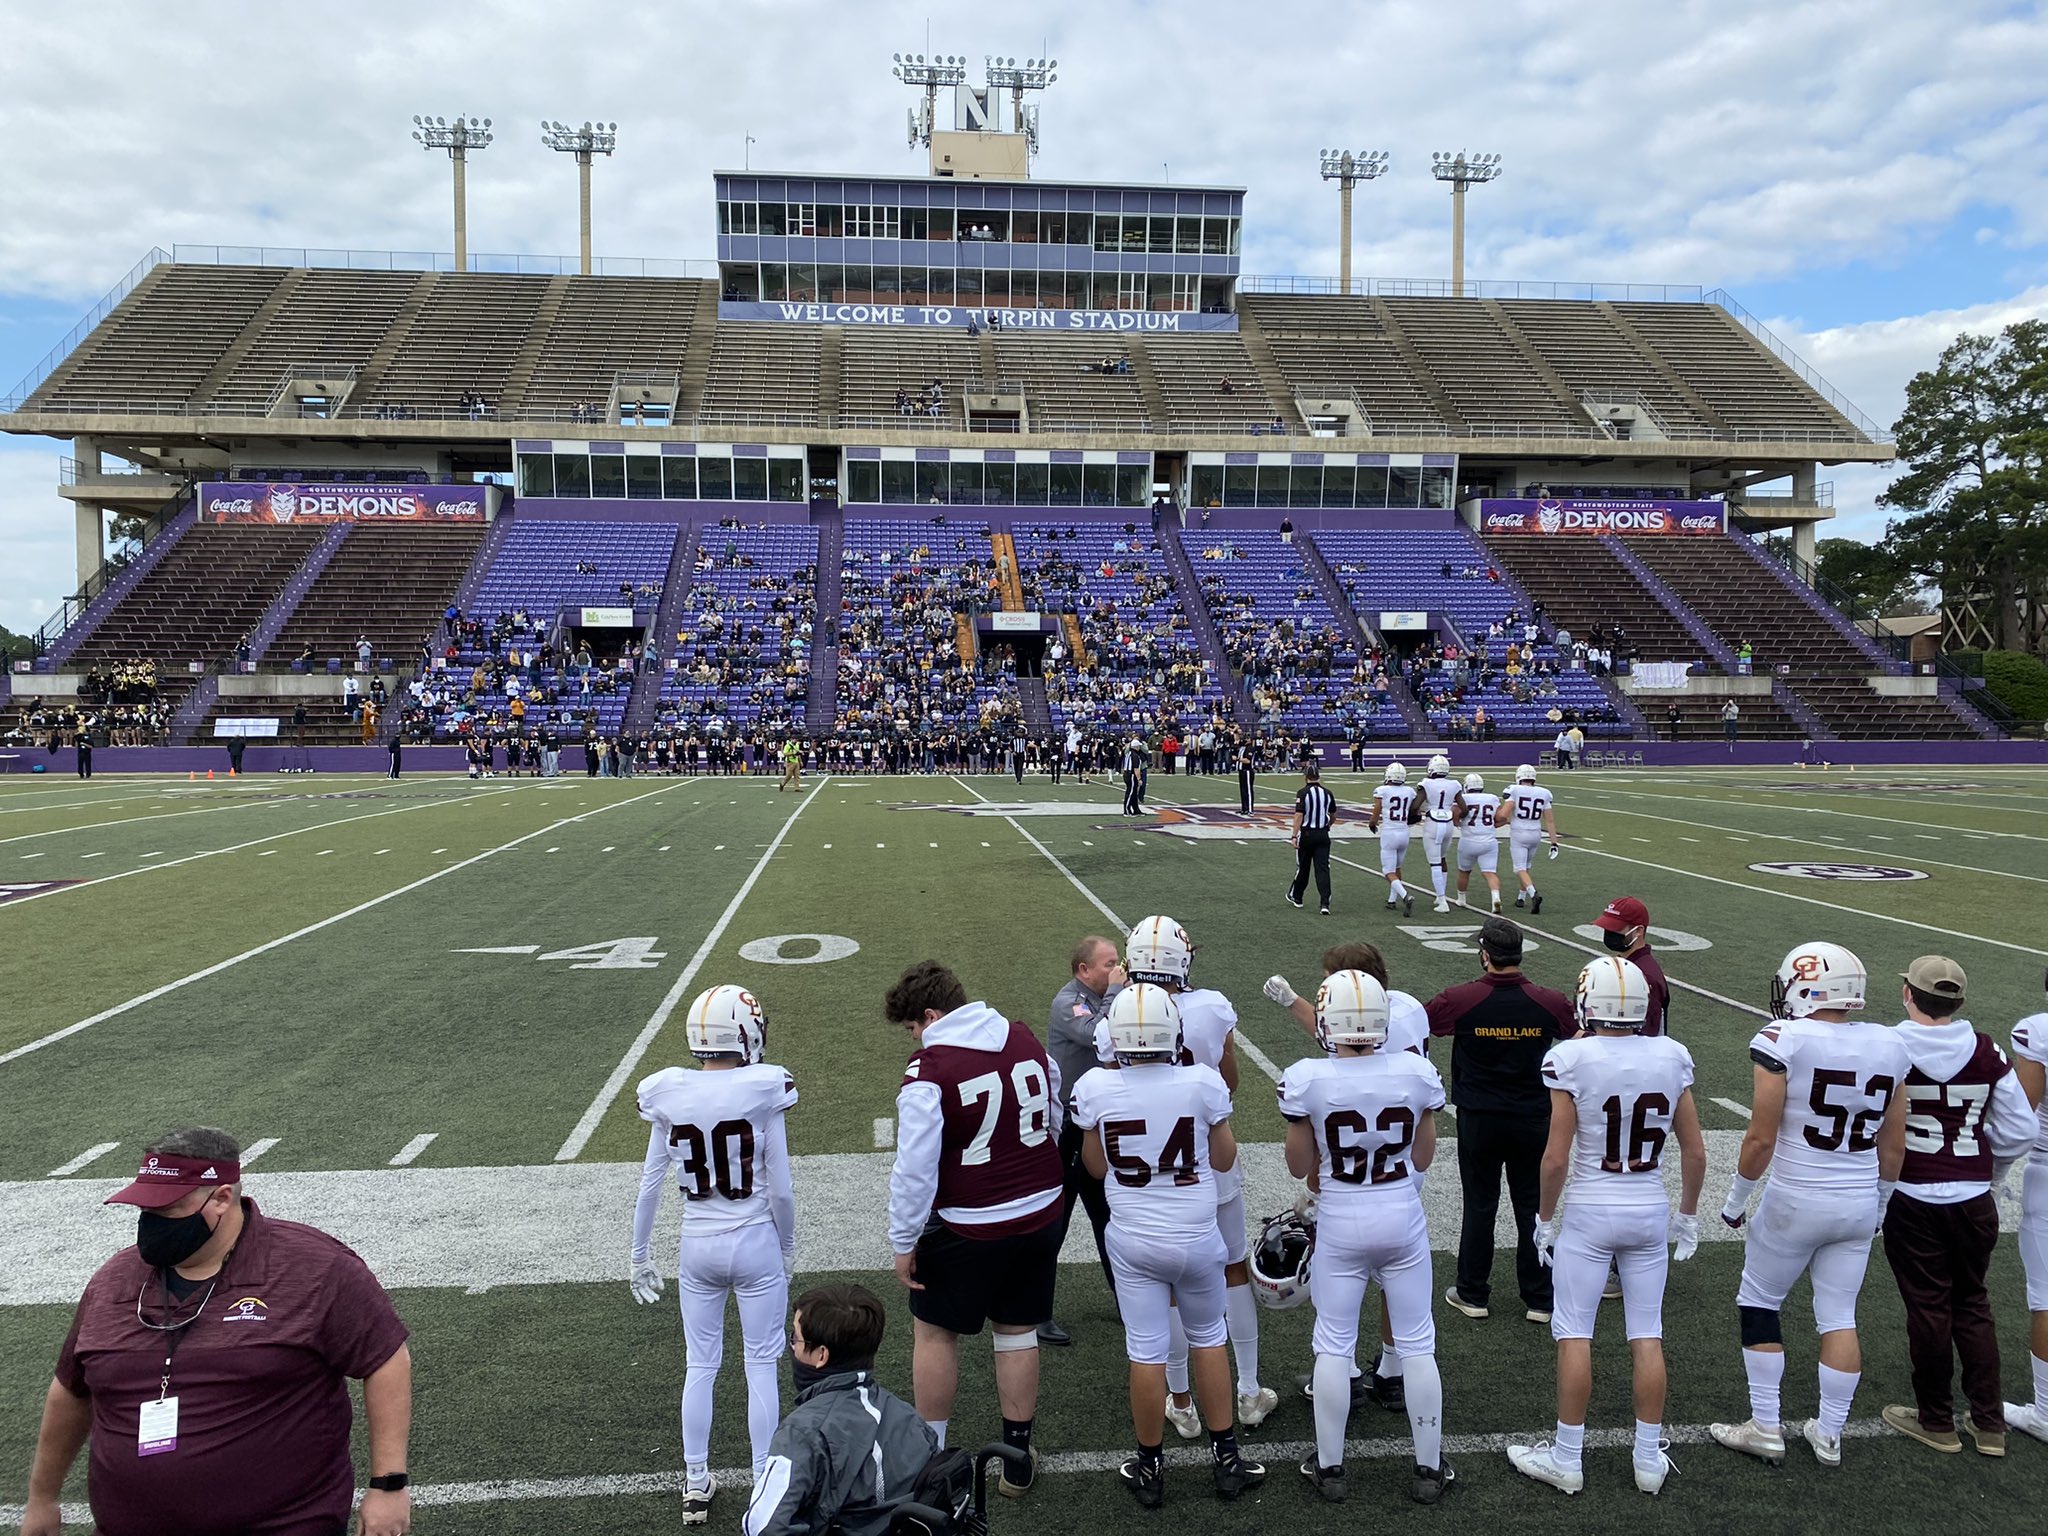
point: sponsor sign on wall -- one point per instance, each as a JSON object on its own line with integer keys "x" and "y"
{"x": 607, "y": 618}
{"x": 229, "y": 502}
{"x": 1025, "y": 623}
{"x": 1629, "y": 518}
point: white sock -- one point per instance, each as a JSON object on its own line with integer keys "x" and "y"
{"x": 1176, "y": 1353}
{"x": 1333, "y": 1406}
{"x": 2040, "y": 1382}
{"x": 1649, "y": 1444}
{"x": 699, "y": 1474}
{"x": 1241, "y": 1313}
{"x": 1837, "y": 1392}
{"x": 938, "y": 1429}
{"x": 1400, "y": 891}
{"x": 1440, "y": 880}
{"x": 1765, "y": 1369}
{"x": 1426, "y": 1410}
{"x": 697, "y": 1384}
{"x": 764, "y": 1409}
{"x": 1390, "y": 1364}
{"x": 1531, "y": 891}
{"x": 1571, "y": 1443}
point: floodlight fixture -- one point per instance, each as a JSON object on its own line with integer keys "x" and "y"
{"x": 458, "y": 138}
{"x": 1461, "y": 171}
{"x": 593, "y": 138}
{"x": 1347, "y": 169}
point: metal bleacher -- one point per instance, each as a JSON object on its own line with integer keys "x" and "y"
{"x": 1191, "y": 371}
{"x": 1589, "y": 351}
{"x": 1731, "y": 371}
{"x": 332, "y": 318}
{"x": 1065, "y": 386}
{"x": 1336, "y": 345}
{"x": 605, "y": 326}
{"x": 388, "y": 584}
{"x": 465, "y": 339}
{"x": 875, "y": 364}
{"x": 1488, "y": 380}
{"x": 764, "y": 371}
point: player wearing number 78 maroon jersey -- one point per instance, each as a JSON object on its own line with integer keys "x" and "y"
{"x": 975, "y": 1196}
{"x": 1829, "y": 1121}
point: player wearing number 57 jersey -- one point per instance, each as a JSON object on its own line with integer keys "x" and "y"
{"x": 974, "y": 1198}
{"x": 720, "y": 1132}
{"x": 1828, "y": 1121}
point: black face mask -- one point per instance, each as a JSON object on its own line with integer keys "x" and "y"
{"x": 1618, "y": 942}
{"x": 167, "y": 1241}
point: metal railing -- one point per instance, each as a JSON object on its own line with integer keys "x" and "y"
{"x": 1440, "y": 288}
{"x": 71, "y": 472}
{"x": 1834, "y": 397}
{"x": 344, "y": 374}
{"x": 52, "y": 359}
{"x": 1823, "y": 496}
{"x": 436, "y": 261}
{"x": 1864, "y": 620}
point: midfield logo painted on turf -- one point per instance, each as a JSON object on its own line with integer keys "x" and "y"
{"x": 15, "y": 890}
{"x": 1267, "y": 823}
{"x": 1806, "y": 871}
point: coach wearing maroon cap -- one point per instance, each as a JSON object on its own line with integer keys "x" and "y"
{"x": 209, "y": 1364}
{"x": 1625, "y": 930}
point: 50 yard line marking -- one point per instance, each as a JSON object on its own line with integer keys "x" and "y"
{"x": 579, "y": 1138}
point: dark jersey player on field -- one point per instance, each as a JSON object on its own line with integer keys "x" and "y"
{"x": 975, "y": 1196}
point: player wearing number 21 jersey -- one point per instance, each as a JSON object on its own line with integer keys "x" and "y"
{"x": 1395, "y": 806}
{"x": 1828, "y": 1121}
{"x": 719, "y": 1133}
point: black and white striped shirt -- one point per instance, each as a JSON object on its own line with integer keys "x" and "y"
{"x": 1317, "y": 806}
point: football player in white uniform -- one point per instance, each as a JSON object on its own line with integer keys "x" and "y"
{"x": 1531, "y": 819}
{"x": 1361, "y": 1120}
{"x": 720, "y": 1129}
{"x": 1439, "y": 792}
{"x": 1156, "y": 1131}
{"x": 1478, "y": 844}
{"x": 1392, "y": 811}
{"x": 1159, "y": 951}
{"x": 1828, "y": 1121}
{"x": 1616, "y": 1097}
{"x": 2030, "y": 1065}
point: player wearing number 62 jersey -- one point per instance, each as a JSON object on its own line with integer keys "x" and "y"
{"x": 974, "y": 1198}
{"x": 720, "y": 1130}
{"x": 1828, "y": 1121}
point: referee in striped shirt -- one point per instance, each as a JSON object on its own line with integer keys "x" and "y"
{"x": 1314, "y": 809}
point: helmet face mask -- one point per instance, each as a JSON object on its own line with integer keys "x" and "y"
{"x": 726, "y": 1021}
{"x": 1144, "y": 1024}
{"x": 1279, "y": 1261}
{"x": 1439, "y": 765}
{"x": 1351, "y": 1009}
{"x": 1613, "y": 994}
{"x": 1818, "y": 977}
{"x": 1159, "y": 951}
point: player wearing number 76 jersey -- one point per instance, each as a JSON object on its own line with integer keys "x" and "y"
{"x": 1828, "y": 1121}
{"x": 1616, "y": 1097}
{"x": 721, "y": 1132}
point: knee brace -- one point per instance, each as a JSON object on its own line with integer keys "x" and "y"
{"x": 1009, "y": 1343}
{"x": 1760, "y": 1326}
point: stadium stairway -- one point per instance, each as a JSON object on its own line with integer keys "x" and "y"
{"x": 193, "y": 712}
{"x": 1033, "y": 705}
{"x": 822, "y": 701}
{"x": 520, "y": 378}
{"x": 1260, "y": 351}
{"x": 1004, "y": 549}
{"x": 1151, "y": 389}
{"x": 1702, "y": 634}
{"x": 486, "y": 554}
{"x": 372, "y": 376}
{"x": 643, "y": 704}
{"x": 1361, "y": 634}
{"x": 1663, "y": 369}
{"x": 1418, "y": 371}
{"x": 1197, "y": 608}
{"x": 286, "y": 603}
{"x": 128, "y": 578}
{"x": 243, "y": 344}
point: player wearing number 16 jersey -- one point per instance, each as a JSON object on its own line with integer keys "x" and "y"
{"x": 1616, "y": 1097}
{"x": 721, "y": 1132}
{"x": 974, "y": 1198}
{"x": 1829, "y": 1122}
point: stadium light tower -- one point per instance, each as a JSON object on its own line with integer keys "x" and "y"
{"x": 1347, "y": 169}
{"x": 941, "y": 69}
{"x": 1461, "y": 173}
{"x": 458, "y": 138}
{"x": 1031, "y": 75}
{"x": 591, "y": 139}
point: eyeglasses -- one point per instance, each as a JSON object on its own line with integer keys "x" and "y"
{"x": 172, "y": 1327}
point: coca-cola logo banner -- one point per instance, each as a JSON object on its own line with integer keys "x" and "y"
{"x": 227, "y": 502}
{"x": 1628, "y": 518}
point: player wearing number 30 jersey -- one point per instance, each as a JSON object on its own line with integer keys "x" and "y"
{"x": 720, "y": 1132}
{"x": 1829, "y": 1122}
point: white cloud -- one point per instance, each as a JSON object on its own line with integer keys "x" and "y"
{"x": 37, "y": 532}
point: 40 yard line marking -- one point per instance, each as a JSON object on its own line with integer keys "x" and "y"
{"x": 579, "y": 1138}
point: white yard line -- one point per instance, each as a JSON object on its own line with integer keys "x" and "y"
{"x": 136, "y": 821}
{"x": 299, "y": 933}
{"x": 412, "y": 1149}
{"x": 586, "y": 1127}
{"x": 84, "y": 1159}
{"x": 1740, "y": 1111}
{"x": 258, "y": 1147}
{"x": 1788, "y": 810}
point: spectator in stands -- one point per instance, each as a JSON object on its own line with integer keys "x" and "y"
{"x": 1226, "y": 385}
{"x": 1745, "y": 657}
{"x": 1286, "y": 530}
{"x": 1731, "y": 722}
{"x": 1674, "y": 717}
{"x": 364, "y": 652}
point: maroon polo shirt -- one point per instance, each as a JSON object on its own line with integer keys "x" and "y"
{"x": 261, "y": 1380}
{"x": 1660, "y": 989}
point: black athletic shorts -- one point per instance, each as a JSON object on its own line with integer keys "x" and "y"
{"x": 968, "y": 1281}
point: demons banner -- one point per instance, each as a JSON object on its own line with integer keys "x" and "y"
{"x": 225, "y": 502}
{"x": 1628, "y": 518}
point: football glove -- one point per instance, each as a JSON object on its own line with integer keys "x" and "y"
{"x": 646, "y": 1282}
{"x": 1305, "y": 1204}
{"x": 789, "y": 1263}
{"x": 1546, "y": 1240}
{"x": 1553, "y": 850}
{"x": 1685, "y": 1237}
{"x": 1280, "y": 992}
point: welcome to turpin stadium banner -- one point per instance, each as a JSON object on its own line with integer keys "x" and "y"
{"x": 1630, "y": 518}
{"x": 226, "y": 502}
{"x": 957, "y": 315}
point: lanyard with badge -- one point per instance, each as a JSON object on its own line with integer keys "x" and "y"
{"x": 157, "y": 1423}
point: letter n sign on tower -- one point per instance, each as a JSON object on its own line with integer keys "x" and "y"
{"x": 974, "y": 109}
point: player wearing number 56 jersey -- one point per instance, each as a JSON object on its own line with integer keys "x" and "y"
{"x": 1617, "y": 1097}
{"x": 1828, "y": 1121}
{"x": 719, "y": 1131}
{"x": 2030, "y": 1065}
{"x": 1526, "y": 807}
{"x": 974, "y": 1199}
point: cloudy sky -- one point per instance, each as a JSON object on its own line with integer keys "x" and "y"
{"x": 1866, "y": 175}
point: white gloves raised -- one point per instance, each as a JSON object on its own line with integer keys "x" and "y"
{"x": 1280, "y": 992}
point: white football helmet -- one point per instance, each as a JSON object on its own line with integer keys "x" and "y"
{"x": 1526, "y": 774}
{"x": 726, "y": 1021}
{"x": 1396, "y": 774}
{"x": 1439, "y": 766}
{"x": 1816, "y": 976}
{"x": 1612, "y": 992}
{"x": 1351, "y": 1009}
{"x": 1159, "y": 951}
{"x": 1279, "y": 1261}
{"x": 1144, "y": 1023}
{"x": 1475, "y": 783}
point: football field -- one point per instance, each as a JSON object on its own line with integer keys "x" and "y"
{"x": 422, "y": 1005}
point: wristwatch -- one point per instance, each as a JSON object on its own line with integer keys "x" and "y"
{"x": 392, "y": 1482}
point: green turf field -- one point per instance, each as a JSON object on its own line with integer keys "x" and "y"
{"x": 427, "y": 1002}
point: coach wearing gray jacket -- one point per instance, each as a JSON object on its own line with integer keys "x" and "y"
{"x": 850, "y": 1451}
{"x": 1070, "y": 1041}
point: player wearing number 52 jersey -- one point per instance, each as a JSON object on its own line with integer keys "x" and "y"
{"x": 974, "y": 1199}
{"x": 1617, "y": 1097}
{"x": 1828, "y": 1121}
{"x": 1361, "y": 1123}
{"x": 720, "y": 1131}
{"x": 1157, "y": 1131}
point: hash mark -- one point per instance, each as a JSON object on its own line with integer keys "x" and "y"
{"x": 414, "y": 1148}
{"x": 89, "y": 1155}
{"x": 1741, "y": 1111}
{"x": 257, "y": 1148}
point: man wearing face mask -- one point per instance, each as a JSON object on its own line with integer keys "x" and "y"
{"x": 1625, "y": 930}
{"x": 248, "y": 1429}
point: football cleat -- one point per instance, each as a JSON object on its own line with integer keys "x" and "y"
{"x": 1407, "y": 906}
{"x": 1541, "y": 1462}
{"x": 1827, "y": 1449}
{"x": 1430, "y": 1482}
{"x": 1328, "y": 1482}
{"x": 1186, "y": 1419}
{"x": 1521, "y": 899}
{"x": 1390, "y": 903}
{"x": 1442, "y": 905}
{"x": 1535, "y": 904}
{"x": 1237, "y": 1476}
{"x": 2027, "y": 1419}
{"x": 1147, "y": 1483}
{"x": 1390, "y": 1392}
{"x": 1253, "y": 1408}
{"x": 697, "y": 1504}
{"x": 1752, "y": 1439}
{"x": 1651, "y": 1479}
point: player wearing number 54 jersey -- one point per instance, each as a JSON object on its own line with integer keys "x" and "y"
{"x": 1828, "y": 1120}
{"x": 974, "y": 1199}
{"x": 721, "y": 1132}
